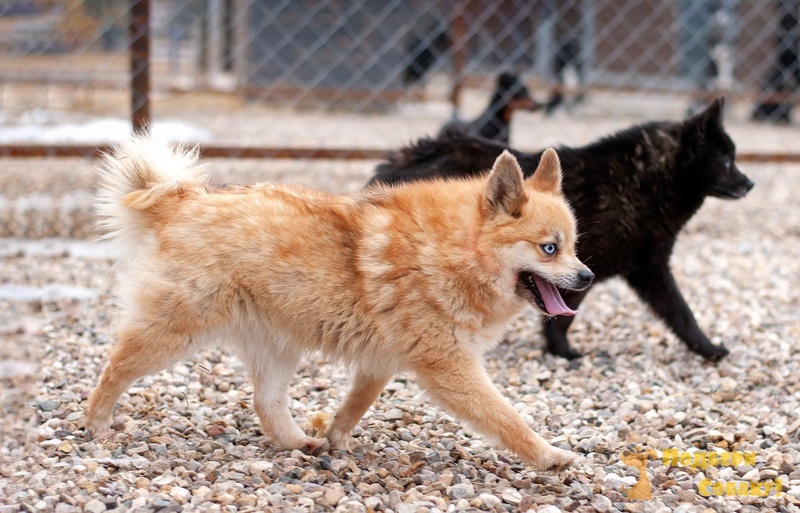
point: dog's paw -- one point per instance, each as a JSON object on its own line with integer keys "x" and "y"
{"x": 314, "y": 446}
{"x": 571, "y": 354}
{"x": 564, "y": 351}
{"x": 555, "y": 460}
{"x": 715, "y": 353}
{"x": 339, "y": 441}
{"x": 96, "y": 428}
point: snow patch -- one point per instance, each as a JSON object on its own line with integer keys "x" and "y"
{"x": 98, "y": 131}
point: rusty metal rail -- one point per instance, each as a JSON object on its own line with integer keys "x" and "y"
{"x": 207, "y": 151}
{"x": 266, "y": 152}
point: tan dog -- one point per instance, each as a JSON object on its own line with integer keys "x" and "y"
{"x": 421, "y": 278}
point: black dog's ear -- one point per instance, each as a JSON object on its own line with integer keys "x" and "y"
{"x": 712, "y": 115}
{"x": 507, "y": 79}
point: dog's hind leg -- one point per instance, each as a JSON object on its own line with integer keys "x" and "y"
{"x": 656, "y": 286}
{"x": 160, "y": 325}
{"x": 271, "y": 372}
{"x": 460, "y": 384}
{"x": 555, "y": 329}
{"x": 366, "y": 389}
{"x": 139, "y": 352}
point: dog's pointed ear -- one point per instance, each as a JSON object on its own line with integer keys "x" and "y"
{"x": 547, "y": 177}
{"x": 712, "y": 115}
{"x": 504, "y": 192}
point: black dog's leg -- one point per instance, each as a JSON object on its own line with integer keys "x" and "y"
{"x": 656, "y": 286}
{"x": 555, "y": 328}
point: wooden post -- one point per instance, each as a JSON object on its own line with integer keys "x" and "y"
{"x": 216, "y": 40}
{"x": 241, "y": 40}
{"x": 459, "y": 54}
{"x": 139, "y": 34}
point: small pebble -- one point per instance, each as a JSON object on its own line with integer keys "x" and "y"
{"x": 511, "y": 496}
{"x": 460, "y": 491}
{"x": 94, "y": 506}
{"x": 489, "y": 500}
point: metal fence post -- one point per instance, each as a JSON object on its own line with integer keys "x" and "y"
{"x": 139, "y": 34}
{"x": 459, "y": 54}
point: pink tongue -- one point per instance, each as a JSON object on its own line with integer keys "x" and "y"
{"x": 552, "y": 299}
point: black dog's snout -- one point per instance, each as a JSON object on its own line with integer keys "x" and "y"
{"x": 748, "y": 184}
{"x": 585, "y": 277}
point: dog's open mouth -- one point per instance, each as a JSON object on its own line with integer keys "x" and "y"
{"x": 544, "y": 295}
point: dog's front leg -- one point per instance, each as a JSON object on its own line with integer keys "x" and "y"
{"x": 656, "y": 286}
{"x": 459, "y": 383}
{"x": 366, "y": 389}
{"x": 271, "y": 376}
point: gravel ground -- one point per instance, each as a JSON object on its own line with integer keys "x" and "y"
{"x": 187, "y": 438}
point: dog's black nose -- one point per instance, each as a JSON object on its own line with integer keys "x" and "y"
{"x": 586, "y": 276}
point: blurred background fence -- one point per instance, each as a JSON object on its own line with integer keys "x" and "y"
{"x": 350, "y": 79}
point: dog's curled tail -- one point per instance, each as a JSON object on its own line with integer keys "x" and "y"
{"x": 134, "y": 176}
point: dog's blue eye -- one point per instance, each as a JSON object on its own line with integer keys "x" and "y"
{"x": 550, "y": 249}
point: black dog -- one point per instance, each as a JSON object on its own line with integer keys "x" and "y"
{"x": 510, "y": 94}
{"x": 632, "y": 193}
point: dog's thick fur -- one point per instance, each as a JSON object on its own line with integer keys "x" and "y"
{"x": 632, "y": 193}
{"x": 420, "y": 278}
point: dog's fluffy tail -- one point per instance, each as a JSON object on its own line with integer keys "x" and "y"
{"x": 134, "y": 176}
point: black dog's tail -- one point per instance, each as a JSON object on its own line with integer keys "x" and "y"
{"x": 414, "y": 162}
{"x": 453, "y": 154}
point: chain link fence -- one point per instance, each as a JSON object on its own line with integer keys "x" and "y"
{"x": 351, "y": 79}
